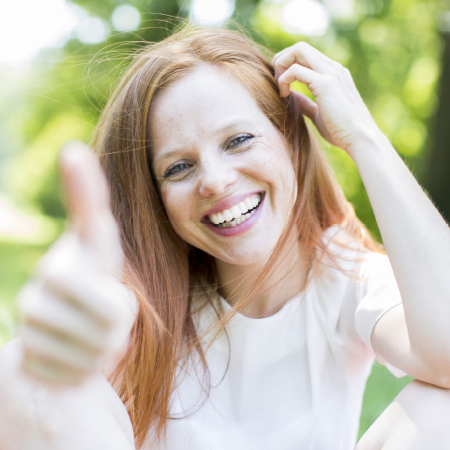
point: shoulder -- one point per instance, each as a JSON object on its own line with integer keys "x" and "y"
{"x": 341, "y": 253}
{"x": 348, "y": 271}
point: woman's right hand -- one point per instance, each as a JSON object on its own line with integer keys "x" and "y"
{"x": 75, "y": 311}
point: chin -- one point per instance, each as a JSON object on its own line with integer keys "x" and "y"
{"x": 245, "y": 256}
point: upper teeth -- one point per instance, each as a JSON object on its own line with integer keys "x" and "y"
{"x": 236, "y": 211}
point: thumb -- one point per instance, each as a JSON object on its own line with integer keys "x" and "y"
{"x": 87, "y": 194}
{"x": 310, "y": 109}
{"x": 307, "y": 106}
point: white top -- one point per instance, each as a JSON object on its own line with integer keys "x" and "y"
{"x": 294, "y": 380}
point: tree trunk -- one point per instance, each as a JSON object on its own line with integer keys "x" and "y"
{"x": 439, "y": 167}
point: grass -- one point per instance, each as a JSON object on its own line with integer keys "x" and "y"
{"x": 17, "y": 261}
{"x": 382, "y": 387}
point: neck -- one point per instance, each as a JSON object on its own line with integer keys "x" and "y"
{"x": 286, "y": 280}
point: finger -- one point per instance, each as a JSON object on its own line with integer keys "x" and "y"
{"x": 295, "y": 73}
{"x": 58, "y": 351}
{"x": 311, "y": 110}
{"x": 87, "y": 195}
{"x": 107, "y": 301}
{"x": 308, "y": 107}
{"x": 69, "y": 273}
{"x": 50, "y": 371}
{"x": 92, "y": 298}
{"x": 304, "y": 54}
{"x": 278, "y": 55}
{"x": 46, "y": 312}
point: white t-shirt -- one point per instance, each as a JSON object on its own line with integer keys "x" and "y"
{"x": 294, "y": 380}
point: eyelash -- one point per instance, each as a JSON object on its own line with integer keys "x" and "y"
{"x": 174, "y": 170}
{"x": 245, "y": 138}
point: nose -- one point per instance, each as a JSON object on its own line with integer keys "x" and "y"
{"x": 215, "y": 177}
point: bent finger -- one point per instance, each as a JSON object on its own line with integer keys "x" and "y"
{"x": 295, "y": 73}
{"x": 94, "y": 299}
{"x": 50, "y": 371}
{"x": 69, "y": 272}
{"x": 276, "y": 58}
{"x": 305, "y": 55}
{"x": 62, "y": 318}
{"x": 40, "y": 344}
{"x": 308, "y": 107}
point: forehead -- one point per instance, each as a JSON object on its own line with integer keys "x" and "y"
{"x": 198, "y": 105}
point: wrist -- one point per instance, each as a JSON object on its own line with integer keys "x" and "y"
{"x": 369, "y": 144}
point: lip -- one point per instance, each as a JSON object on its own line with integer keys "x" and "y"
{"x": 228, "y": 202}
{"x": 242, "y": 227}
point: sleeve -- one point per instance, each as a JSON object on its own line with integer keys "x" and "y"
{"x": 378, "y": 293}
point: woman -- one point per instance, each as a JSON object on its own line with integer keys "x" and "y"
{"x": 262, "y": 299}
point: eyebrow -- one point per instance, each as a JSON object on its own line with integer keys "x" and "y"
{"x": 236, "y": 121}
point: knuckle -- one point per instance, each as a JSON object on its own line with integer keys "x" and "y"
{"x": 33, "y": 315}
{"x": 345, "y": 71}
{"x": 327, "y": 80}
{"x": 338, "y": 66}
{"x": 282, "y": 78}
{"x": 290, "y": 72}
{"x": 301, "y": 46}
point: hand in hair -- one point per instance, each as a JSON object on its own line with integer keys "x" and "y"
{"x": 75, "y": 310}
{"x": 339, "y": 113}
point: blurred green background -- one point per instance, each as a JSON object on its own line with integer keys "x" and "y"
{"x": 54, "y": 82}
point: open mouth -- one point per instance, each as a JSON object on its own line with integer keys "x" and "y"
{"x": 237, "y": 214}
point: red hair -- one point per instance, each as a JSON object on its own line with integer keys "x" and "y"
{"x": 160, "y": 267}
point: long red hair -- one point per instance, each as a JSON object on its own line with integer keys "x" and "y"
{"x": 160, "y": 267}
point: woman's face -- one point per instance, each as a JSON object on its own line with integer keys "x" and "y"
{"x": 224, "y": 171}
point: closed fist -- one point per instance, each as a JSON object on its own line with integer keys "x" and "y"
{"x": 75, "y": 310}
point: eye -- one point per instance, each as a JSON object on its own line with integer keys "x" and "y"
{"x": 237, "y": 141}
{"x": 176, "y": 170}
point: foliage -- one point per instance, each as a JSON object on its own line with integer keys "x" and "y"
{"x": 381, "y": 389}
{"x": 392, "y": 48}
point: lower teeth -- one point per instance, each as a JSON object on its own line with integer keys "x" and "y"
{"x": 233, "y": 223}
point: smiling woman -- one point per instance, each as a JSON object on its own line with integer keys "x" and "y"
{"x": 244, "y": 301}
{"x": 226, "y": 156}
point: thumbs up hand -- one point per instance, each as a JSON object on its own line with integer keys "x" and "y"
{"x": 75, "y": 311}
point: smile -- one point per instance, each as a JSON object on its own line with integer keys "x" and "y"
{"x": 237, "y": 214}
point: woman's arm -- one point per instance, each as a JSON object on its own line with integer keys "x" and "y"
{"x": 76, "y": 312}
{"x": 415, "y": 235}
{"x": 417, "y": 240}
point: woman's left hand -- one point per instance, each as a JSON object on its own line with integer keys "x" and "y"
{"x": 339, "y": 113}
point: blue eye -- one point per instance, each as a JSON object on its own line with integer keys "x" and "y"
{"x": 175, "y": 170}
{"x": 236, "y": 142}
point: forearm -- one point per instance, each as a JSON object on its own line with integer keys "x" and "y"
{"x": 417, "y": 240}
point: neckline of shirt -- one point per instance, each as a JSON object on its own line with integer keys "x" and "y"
{"x": 292, "y": 301}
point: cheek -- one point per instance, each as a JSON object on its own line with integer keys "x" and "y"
{"x": 279, "y": 167}
{"x": 286, "y": 179}
{"x": 176, "y": 203}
